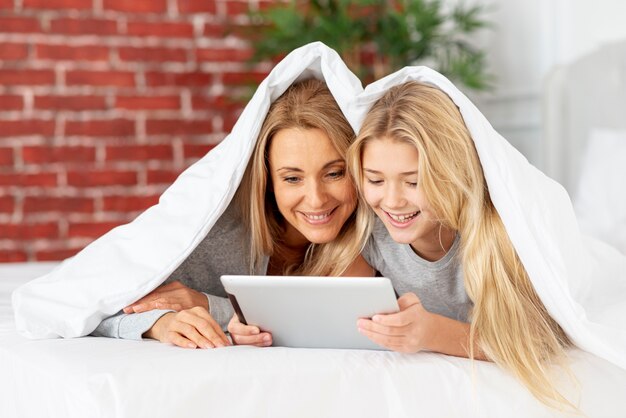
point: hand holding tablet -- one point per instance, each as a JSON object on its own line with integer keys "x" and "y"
{"x": 311, "y": 312}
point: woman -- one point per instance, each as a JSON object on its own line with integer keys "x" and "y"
{"x": 438, "y": 236}
{"x": 293, "y": 214}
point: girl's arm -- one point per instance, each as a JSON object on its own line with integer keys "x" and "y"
{"x": 415, "y": 329}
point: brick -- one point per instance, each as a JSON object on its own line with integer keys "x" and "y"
{"x": 112, "y": 127}
{"x": 215, "y": 30}
{"x": 58, "y": 4}
{"x": 265, "y": 5}
{"x": 26, "y": 127}
{"x": 154, "y": 54}
{"x": 72, "y": 53}
{"x": 234, "y": 8}
{"x": 217, "y": 103}
{"x": 11, "y": 102}
{"x": 162, "y": 176}
{"x": 139, "y": 153}
{"x": 129, "y": 203}
{"x": 244, "y": 78}
{"x": 19, "y": 25}
{"x": 136, "y": 6}
{"x": 101, "y": 178}
{"x": 160, "y": 29}
{"x": 195, "y": 79}
{"x": 63, "y": 204}
{"x": 40, "y": 179}
{"x": 197, "y": 150}
{"x": 90, "y": 229}
{"x": 197, "y": 6}
{"x": 6, "y": 156}
{"x": 6, "y": 4}
{"x": 100, "y": 78}
{"x": 148, "y": 102}
{"x": 7, "y": 204}
{"x": 23, "y": 231}
{"x": 85, "y": 26}
{"x": 178, "y": 127}
{"x": 229, "y": 119}
{"x": 26, "y": 77}
{"x": 47, "y": 154}
{"x": 13, "y": 256}
{"x": 56, "y": 254}
{"x": 13, "y": 51}
{"x": 223, "y": 54}
{"x": 52, "y": 102}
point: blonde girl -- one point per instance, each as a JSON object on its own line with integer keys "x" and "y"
{"x": 438, "y": 236}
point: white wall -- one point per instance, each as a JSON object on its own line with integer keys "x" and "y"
{"x": 529, "y": 38}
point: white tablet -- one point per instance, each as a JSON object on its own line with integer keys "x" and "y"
{"x": 312, "y": 312}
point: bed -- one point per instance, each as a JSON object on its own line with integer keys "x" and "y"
{"x": 99, "y": 377}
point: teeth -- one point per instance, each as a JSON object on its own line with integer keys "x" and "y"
{"x": 403, "y": 218}
{"x": 317, "y": 217}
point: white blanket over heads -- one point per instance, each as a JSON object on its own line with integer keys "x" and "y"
{"x": 581, "y": 281}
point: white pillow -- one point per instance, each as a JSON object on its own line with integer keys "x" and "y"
{"x": 600, "y": 202}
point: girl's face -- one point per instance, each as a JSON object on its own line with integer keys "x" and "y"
{"x": 312, "y": 189}
{"x": 390, "y": 170}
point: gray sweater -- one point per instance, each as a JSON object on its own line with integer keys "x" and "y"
{"x": 438, "y": 284}
{"x": 224, "y": 250}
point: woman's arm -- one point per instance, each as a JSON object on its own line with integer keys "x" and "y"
{"x": 128, "y": 326}
{"x": 190, "y": 328}
{"x": 415, "y": 329}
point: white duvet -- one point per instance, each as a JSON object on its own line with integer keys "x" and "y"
{"x": 581, "y": 281}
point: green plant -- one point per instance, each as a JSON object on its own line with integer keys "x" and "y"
{"x": 377, "y": 37}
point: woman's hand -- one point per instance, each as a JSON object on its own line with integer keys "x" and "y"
{"x": 242, "y": 334}
{"x": 190, "y": 328}
{"x": 175, "y": 296}
{"x": 407, "y": 331}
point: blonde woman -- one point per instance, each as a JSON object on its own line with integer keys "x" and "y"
{"x": 437, "y": 235}
{"x": 292, "y": 214}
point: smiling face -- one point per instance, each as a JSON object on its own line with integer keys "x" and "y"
{"x": 313, "y": 191}
{"x": 390, "y": 187}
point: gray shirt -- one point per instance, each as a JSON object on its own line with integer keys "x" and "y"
{"x": 224, "y": 250}
{"x": 438, "y": 284}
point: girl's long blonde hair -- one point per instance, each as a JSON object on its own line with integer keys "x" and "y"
{"x": 509, "y": 322}
{"x": 307, "y": 104}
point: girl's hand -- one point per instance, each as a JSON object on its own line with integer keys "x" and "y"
{"x": 407, "y": 331}
{"x": 190, "y": 328}
{"x": 242, "y": 334}
{"x": 175, "y": 296}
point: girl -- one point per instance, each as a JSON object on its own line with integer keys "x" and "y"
{"x": 293, "y": 214}
{"x": 439, "y": 238}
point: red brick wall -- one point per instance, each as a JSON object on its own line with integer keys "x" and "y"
{"x": 102, "y": 104}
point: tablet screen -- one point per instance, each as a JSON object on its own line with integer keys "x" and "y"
{"x": 311, "y": 312}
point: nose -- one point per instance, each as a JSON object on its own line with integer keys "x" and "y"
{"x": 393, "y": 197}
{"x": 316, "y": 194}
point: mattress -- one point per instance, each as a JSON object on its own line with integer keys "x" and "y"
{"x": 100, "y": 377}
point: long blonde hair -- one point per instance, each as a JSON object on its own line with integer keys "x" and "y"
{"x": 307, "y": 104}
{"x": 509, "y": 322}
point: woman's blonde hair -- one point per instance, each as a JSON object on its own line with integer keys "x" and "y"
{"x": 307, "y": 104}
{"x": 509, "y": 322}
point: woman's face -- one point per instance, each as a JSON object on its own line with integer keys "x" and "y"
{"x": 313, "y": 191}
{"x": 390, "y": 171}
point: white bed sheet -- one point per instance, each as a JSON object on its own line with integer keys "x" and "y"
{"x": 99, "y": 377}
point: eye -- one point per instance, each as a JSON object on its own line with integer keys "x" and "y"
{"x": 411, "y": 184}
{"x": 291, "y": 179}
{"x": 374, "y": 182}
{"x": 337, "y": 174}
